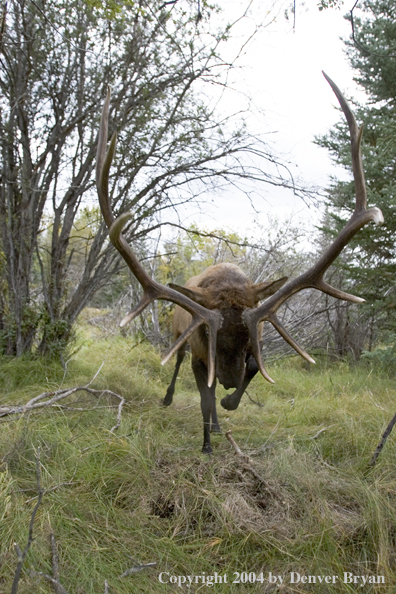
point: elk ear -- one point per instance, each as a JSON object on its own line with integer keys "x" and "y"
{"x": 193, "y": 295}
{"x": 267, "y": 288}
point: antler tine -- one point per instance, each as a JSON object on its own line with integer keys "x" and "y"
{"x": 181, "y": 340}
{"x": 313, "y": 278}
{"x": 151, "y": 289}
{"x": 333, "y": 292}
{"x": 103, "y": 162}
{"x": 356, "y": 134}
{"x": 253, "y": 327}
{"x": 284, "y": 333}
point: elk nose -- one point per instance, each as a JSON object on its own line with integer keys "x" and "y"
{"x": 229, "y": 380}
{"x": 230, "y": 375}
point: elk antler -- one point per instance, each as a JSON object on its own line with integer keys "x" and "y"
{"x": 151, "y": 289}
{"x": 313, "y": 278}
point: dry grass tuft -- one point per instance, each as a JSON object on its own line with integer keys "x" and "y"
{"x": 308, "y": 502}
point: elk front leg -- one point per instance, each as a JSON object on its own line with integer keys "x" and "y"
{"x": 208, "y": 403}
{"x": 167, "y": 401}
{"x": 231, "y": 401}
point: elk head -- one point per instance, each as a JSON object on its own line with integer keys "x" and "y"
{"x": 226, "y": 289}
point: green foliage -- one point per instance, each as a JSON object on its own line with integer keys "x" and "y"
{"x": 112, "y": 8}
{"x": 146, "y": 494}
{"x": 191, "y": 252}
{"x": 58, "y": 336}
{"x": 30, "y": 320}
{"x": 325, "y": 4}
{"x": 383, "y": 358}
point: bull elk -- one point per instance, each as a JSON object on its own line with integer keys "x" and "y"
{"x": 219, "y": 312}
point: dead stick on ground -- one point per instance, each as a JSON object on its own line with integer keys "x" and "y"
{"x": 256, "y": 402}
{"x": 55, "y": 557}
{"x": 249, "y": 465}
{"x": 54, "y": 488}
{"x": 236, "y": 447}
{"x": 58, "y": 588}
{"x": 137, "y": 567}
{"x": 382, "y": 442}
{"x": 51, "y": 399}
{"x": 320, "y": 432}
{"x": 22, "y": 554}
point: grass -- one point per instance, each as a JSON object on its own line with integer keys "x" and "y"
{"x": 146, "y": 494}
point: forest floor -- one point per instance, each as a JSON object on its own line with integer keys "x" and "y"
{"x": 138, "y": 508}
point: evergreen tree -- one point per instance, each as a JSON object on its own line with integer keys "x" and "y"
{"x": 369, "y": 265}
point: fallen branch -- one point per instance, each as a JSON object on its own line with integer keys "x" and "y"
{"x": 51, "y": 399}
{"x": 55, "y": 564}
{"x": 137, "y": 568}
{"x": 22, "y": 554}
{"x": 58, "y": 588}
{"x": 68, "y": 484}
{"x": 382, "y": 442}
{"x": 236, "y": 447}
{"x": 54, "y": 579}
{"x": 256, "y": 402}
{"x": 320, "y": 432}
{"x": 248, "y": 465}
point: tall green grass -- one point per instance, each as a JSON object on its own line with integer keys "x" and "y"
{"x": 145, "y": 493}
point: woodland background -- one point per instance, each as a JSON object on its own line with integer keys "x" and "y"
{"x": 107, "y": 483}
{"x": 173, "y": 148}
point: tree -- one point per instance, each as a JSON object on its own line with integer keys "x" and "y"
{"x": 370, "y": 264}
{"x": 57, "y": 59}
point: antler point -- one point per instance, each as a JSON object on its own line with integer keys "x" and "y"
{"x": 378, "y": 217}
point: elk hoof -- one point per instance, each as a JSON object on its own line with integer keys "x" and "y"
{"x": 166, "y": 402}
{"x": 228, "y": 404}
{"x": 215, "y": 428}
{"x": 207, "y": 449}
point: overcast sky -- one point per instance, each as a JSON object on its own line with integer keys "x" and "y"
{"x": 281, "y": 70}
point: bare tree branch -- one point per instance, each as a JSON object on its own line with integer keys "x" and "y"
{"x": 51, "y": 399}
{"x": 381, "y": 444}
